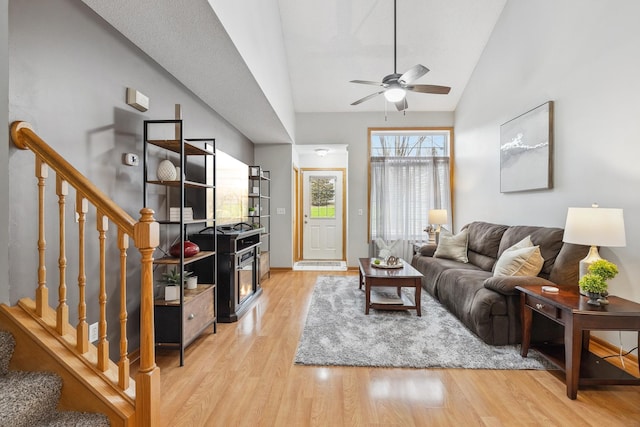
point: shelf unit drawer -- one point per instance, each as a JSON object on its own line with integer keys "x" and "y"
{"x": 198, "y": 314}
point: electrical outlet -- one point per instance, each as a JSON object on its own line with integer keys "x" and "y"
{"x": 130, "y": 159}
{"x": 93, "y": 332}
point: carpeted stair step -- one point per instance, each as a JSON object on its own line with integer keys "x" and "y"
{"x": 7, "y": 344}
{"x": 29, "y": 399}
{"x": 76, "y": 419}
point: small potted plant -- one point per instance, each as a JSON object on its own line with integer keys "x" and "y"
{"x": 172, "y": 280}
{"x": 252, "y": 211}
{"x": 595, "y": 282}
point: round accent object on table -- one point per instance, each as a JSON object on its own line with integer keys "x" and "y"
{"x": 166, "y": 171}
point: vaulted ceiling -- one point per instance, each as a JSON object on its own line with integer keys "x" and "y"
{"x": 257, "y": 67}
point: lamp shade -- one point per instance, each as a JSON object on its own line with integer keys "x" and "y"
{"x": 438, "y": 216}
{"x": 595, "y": 227}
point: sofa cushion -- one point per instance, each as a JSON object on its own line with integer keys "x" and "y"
{"x": 431, "y": 268}
{"x": 521, "y": 259}
{"x": 484, "y": 241}
{"x": 548, "y": 238}
{"x": 453, "y": 247}
{"x": 565, "y": 269}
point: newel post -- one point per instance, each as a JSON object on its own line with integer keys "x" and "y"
{"x": 146, "y": 236}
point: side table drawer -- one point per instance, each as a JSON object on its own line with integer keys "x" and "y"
{"x": 542, "y": 307}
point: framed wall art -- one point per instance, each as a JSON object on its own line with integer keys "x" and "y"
{"x": 526, "y": 151}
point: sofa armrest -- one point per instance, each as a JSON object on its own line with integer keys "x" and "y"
{"x": 428, "y": 250}
{"x": 506, "y": 285}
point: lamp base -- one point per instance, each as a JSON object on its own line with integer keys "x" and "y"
{"x": 591, "y": 257}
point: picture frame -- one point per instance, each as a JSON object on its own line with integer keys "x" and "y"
{"x": 526, "y": 151}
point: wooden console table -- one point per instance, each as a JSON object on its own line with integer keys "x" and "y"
{"x": 571, "y": 310}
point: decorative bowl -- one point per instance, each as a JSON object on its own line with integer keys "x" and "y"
{"x": 190, "y": 249}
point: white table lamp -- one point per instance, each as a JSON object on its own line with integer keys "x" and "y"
{"x": 437, "y": 217}
{"x": 594, "y": 226}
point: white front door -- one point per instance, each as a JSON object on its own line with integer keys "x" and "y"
{"x": 322, "y": 230}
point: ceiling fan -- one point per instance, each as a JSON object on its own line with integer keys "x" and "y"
{"x": 396, "y": 85}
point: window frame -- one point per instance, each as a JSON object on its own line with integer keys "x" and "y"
{"x": 373, "y": 130}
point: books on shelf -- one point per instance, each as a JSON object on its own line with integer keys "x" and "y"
{"x": 174, "y": 214}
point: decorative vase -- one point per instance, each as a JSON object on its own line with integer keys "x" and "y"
{"x": 593, "y": 298}
{"x": 166, "y": 171}
{"x": 171, "y": 293}
{"x": 192, "y": 282}
{"x": 177, "y": 173}
{"x": 190, "y": 249}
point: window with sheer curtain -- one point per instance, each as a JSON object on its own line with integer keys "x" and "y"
{"x": 410, "y": 173}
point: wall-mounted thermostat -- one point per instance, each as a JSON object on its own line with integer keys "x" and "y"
{"x": 137, "y": 100}
{"x": 131, "y": 159}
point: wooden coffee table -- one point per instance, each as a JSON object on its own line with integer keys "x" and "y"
{"x": 404, "y": 277}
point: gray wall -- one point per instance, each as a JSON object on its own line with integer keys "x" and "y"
{"x": 69, "y": 71}
{"x": 351, "y": 129}
{"x": 584, "y": 56}
{"x": 4, "y": 151}
{"x": 277, "y": 158}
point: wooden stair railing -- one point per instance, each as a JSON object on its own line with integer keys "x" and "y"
{"x": 145, "y": 395}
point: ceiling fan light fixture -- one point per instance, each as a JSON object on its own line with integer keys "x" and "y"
{"x": 395, "y": 94}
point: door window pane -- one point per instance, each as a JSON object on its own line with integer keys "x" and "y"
{"x": 323, "y": 196}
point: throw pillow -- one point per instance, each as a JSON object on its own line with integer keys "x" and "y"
{"x": 387, "y": 249}
{"x": 453, "y": 247}
{"x": 521, "y": 259}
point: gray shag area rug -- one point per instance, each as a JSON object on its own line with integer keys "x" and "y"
{"x": 338, "y": 333}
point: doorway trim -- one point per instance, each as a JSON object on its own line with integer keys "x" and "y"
{"x": 297, "y": 248}
{"x": 299, "y": 201}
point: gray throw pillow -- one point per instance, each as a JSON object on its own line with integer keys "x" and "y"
{"x": 453, "y": 247}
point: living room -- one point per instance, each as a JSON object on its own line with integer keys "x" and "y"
{"x": 580, "y": 54}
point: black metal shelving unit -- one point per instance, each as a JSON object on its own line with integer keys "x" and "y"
{"x": 179, "y": 322}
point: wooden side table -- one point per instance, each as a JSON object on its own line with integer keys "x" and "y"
{"x": 571, "y": 310}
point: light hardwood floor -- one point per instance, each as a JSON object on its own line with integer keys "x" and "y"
{"x": 244, "y": 375}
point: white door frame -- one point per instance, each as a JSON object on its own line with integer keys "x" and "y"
{"x": 344, "y": 208}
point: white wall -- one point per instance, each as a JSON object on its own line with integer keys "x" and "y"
{"x": 277, "y": 158}
{"x": 351, "y": 129}
{"x": 256, "y": 31}
{"x": 582, "y": 54}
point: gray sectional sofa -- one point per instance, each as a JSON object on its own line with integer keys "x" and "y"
{"x": 490, "y": 305}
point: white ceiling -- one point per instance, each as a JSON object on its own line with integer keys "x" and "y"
{"x": 331, "y": 42}
{"x": 326, "y": 44}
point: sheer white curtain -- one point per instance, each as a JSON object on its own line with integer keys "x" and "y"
{"x": 403, "y": 189}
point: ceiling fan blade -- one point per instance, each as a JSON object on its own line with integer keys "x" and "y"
{"x": 366, "y": 82}
{"x": 402, "y": 104}
{"x": 413, "y": 74}
{"x": 439, "y": 90}
{"x": 366, "y": 98}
